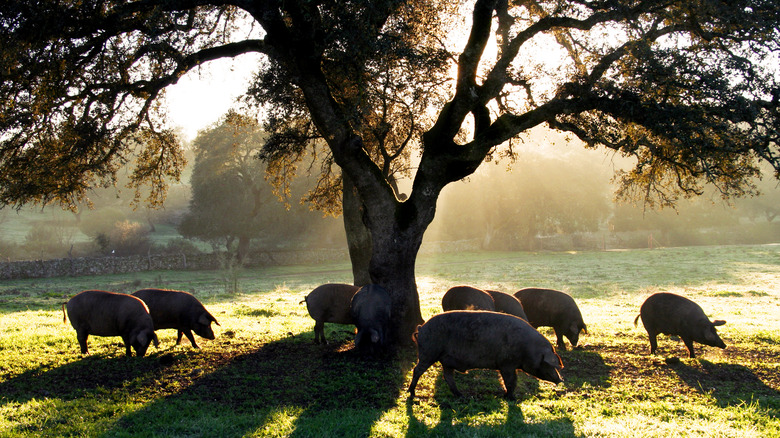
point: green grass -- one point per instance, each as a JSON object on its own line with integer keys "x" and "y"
{"x": 263, "y": 376}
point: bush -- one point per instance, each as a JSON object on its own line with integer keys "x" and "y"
{"x": 48, "y": 239}
{"x": 125, "y": 238}
{"x": 178, "y": 246}
{"x": 8, "y": 251}
{"x": 103, "y": 222}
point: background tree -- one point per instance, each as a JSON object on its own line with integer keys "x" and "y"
{"x": 235, "y": 201}
{"x": 228, "y": 186}
{"x": 542, "y": 195}
{"x": 687, "y": 88}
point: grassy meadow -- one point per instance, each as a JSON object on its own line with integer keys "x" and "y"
{"x": 263, "y": 376}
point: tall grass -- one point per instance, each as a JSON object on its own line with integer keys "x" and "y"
{"x": 263, "y": 376}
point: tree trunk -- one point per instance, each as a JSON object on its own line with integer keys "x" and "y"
{"x": 395, "y": 248}
{"x": 243, "y": 249}
{"x": 358, "y": 235}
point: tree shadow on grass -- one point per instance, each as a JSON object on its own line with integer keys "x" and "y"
{"x": 729, "y": 384}
{"x": 291, "y": 383}
{"x": 233, "y": 388}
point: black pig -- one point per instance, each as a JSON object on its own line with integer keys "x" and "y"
{"x": 329, "y": 303}
{"x": 101, "y": 313}
{"x": 675, "y": 315}
{"x": 552, "y": 308}
{"x": 464, "y": 340}
{"x": 370, "y": 310}
{"x": 173, "y": 309}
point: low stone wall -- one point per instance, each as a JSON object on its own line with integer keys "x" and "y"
{"x": 117, "y": 265}
{"x": 80, "y": 266}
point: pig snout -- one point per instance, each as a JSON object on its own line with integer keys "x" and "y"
{"x": 203, "y": 327}
{"x": 549, "y": 369}
{"x": 711, "y": 335}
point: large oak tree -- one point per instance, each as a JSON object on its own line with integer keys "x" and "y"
{"x": 689, "y": 88}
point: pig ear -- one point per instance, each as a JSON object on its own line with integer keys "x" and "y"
{"x": 142, "y": 339}
{"x": 718, "y": 322}
{"x": 206, "y": 318}
{"x": 374, "y": 336}
{"x": 553, "y": 360}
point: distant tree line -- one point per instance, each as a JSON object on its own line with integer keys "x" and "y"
{"x": 547, "y": 195}
{"x": 228, "y": 206}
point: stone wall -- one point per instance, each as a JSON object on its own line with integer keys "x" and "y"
{"x": 117, "y": 265}
{"x": 80, "y": 266}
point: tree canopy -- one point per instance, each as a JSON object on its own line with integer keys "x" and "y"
{"x": 687, "y": 88}
{"x": 228, "y": 185}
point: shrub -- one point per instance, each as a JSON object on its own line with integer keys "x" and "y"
{"x": 178, "y": 246}
{"x": 125, "y": 238}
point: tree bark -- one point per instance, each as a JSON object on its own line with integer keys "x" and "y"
{"x": 393, "y": 267}
{"x": 243, "y": 249}
{"x": 358, "y": 235}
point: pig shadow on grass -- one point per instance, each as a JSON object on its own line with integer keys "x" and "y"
{"x": 729, "y": 384}
{"x": 583, "y": 368}
{"x": 318, "y": 390}
{"x": 483, "y": 395}
{"x": 82, "y": 376}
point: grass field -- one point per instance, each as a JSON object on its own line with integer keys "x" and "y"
{"x": 263, "y": 376}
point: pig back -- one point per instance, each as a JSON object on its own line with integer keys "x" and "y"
{"x": 331, "y": 303}
{"x": 173, "y": 309}
{"x": 506, "y": 303}
{"x": 466, "y": 298}
{"x": 548, "y": 307}
{"x": 103, "y": 313}
{"x": 370, "y": 308}
{"x": 671, "y": 314}
{"x": 467, "y": 339}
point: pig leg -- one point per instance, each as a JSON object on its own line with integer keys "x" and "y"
{"x": 82, "y": 338}
{"x": 509, "y": 375}
{"x": 188, "y": 333}
{"x": 559, "y": 336}
{"x": 653, "y": 341}
{"x": 419, "y": 369}
{"x": 689, "y": 344}
{"x": 127, "y": 342}
{"x": 449, "y": 377}
{"x": 319, "y": 332}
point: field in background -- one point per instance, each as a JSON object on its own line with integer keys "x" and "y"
{"x": 262, "y": 376}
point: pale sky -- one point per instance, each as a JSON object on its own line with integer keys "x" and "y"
{"x": 203, "y": 95}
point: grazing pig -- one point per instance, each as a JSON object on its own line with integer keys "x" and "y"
{"x": 467, "y": 298}
{"x": 552, "y": 308}
{"x": 173, "y": 309}
{"x": 506, "y": 303}
{"x": 101, "y": 313}
{"x": 370, "y": 309}
{"x": 464, "y": 340}
{"x": 675, "y": 315}
{"x": 329, "y": 303}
